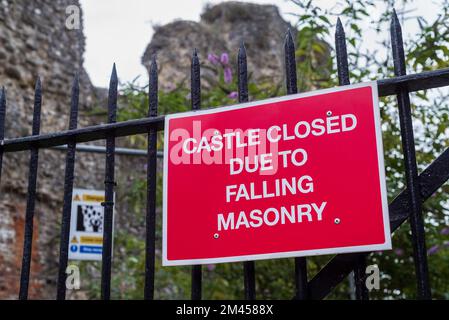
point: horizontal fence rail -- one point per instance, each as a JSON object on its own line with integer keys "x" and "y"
{"x": 408, "y": 204}
{"x": 87, "y": 148}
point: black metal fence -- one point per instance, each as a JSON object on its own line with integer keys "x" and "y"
{"x": 407, "y": 204}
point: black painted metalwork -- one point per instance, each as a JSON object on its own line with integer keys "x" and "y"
{"x": 411, "y": 169}
{"x": 249, "y": 274}
{"x": 151, "y": 186}
{"x": 31, "y": 197}
{"x": 290, "y": 64}
{"x": 195, "y": 96}
{"x": 68, "y": 192}
{"x": 337, "y": 269}
{"x": 2, "y": 124}
{"x": 109, "y": 192}
{"x": 292, "y": 88}
{"x": 361, "y": 291}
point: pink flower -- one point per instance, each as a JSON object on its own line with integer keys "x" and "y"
{"x": 211, "y": 267}
{"x": 233, "y": 95}
{"x": 434, "y": 249}
{"x": 227, "y": 75}
{"x": 444, "y": 231}
{"x": 224, "y": 59}
{"x": 213, "y": 58}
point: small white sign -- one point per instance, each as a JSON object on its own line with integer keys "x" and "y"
{"x": 86, "y": 225}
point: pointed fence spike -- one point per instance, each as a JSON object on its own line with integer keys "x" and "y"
{"x": 2, "y": 114}
{"x": 37, "y": 106}
{"x": 76, "y": 77}
{"x": 339, "y": 29}
{"x": 242, "y": 72}
{"x": 397, "y": 46}
{"x": 195, "y": 84}
{"x": 153, "y": 88}
{"x": 2, "y": 124}
{"x": 395, "y": 15}
{"x": 342, "y": 55}
{"x": 395, "y": 25}
{"x": 290, "y": 64}
{"x": 154, "y": 59}
{"x": 242, "y": 49}
{"x": 112, "y": 96}
{"x": 289, "y": 34}
{"x": 114, "y": 77}
{"x": 74, "y": 101}
{"x": 38, "y": 86}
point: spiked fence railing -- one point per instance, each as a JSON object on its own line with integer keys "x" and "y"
{"x": 408, "y": 204}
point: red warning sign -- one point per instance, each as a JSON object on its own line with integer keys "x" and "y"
{"x": 293, "y": 176}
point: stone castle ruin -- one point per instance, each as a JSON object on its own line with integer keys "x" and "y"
{"x": 35, "y": 42}
{"x": 222, "y": 28}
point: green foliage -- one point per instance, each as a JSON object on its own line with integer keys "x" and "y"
{"x": 426, "y": 50}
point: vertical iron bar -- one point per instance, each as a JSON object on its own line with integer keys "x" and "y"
{"x": 151, "y": 186}
{"x": 249, "y": 278}
{"x": 343, "y": 78}
{"x": 361, "y": 291}
{"x": 2, "y": 125}
{"x": 68, "y": 192}
{"x": 31, "y": 197}
{"x": 292, "y": 88}
{"x": 109, "y": 192}
{"x": 411, "y": 169}
{"x": 196, "y": 105}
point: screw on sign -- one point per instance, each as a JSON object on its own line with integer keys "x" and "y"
{"x": 292, "y": 176}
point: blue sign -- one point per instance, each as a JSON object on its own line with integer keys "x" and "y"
{"x": 91, "y": 249}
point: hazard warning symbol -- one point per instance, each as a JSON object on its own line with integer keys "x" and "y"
{"x": 86, "y": 225}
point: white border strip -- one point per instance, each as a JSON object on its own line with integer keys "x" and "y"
{"x": 380, "y": 157}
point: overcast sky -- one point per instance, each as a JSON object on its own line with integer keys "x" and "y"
{"x": 119, "y": 30}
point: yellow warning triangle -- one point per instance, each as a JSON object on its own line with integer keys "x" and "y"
{"x": 74, "y": 240}
{"x": 77, "y": 198}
